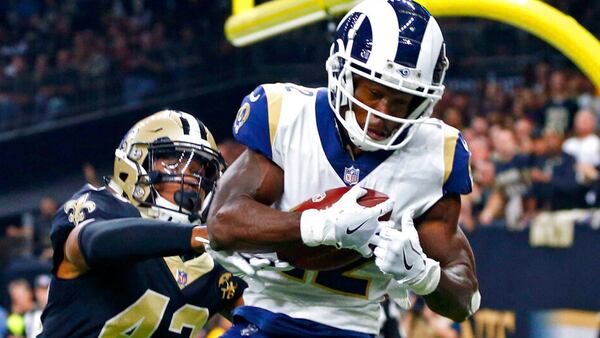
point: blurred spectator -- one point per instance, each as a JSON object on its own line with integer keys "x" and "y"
{"x": 483, "y": 185}
{"x": 510, "y": 184}
{"x": 32, "y": 319}
{"x": 541, "y": 80}
{"x": 57, "y": 88}
{"x": 494, "y": 98}
{"x": 536, "y": 159}
{"x": 453, "y": 117}
{"x": 89, "y": 172}
{"x": 523, "y": 130}
{"x": 480, "y": 126}
{"x": 21, "y": 296}
{"x": 585, "y": 93}
{"x": 20, "y": 238}
{"x": 18, "y": 75}
{"x": 585, "y": 147}
{"x": 88, "y": 55}
{"x": 21, "y": 302}
{"x": 13, "y": 92}
{"x": 41, "y": 285}
{"x": 42, "y": 246}
{"x": 480, "y": 151}
{"x": 554, "y": 179}
{"x": 559, "y": 110}
{"x": 146, "y": 69}
{"x": 40, "y": 69}
{"x": 189, "y": 57}
{"x": 9, "y": 108}
{"x": 526, "y": 103}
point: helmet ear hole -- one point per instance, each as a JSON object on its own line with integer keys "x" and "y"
{"x": 123, "y": 176}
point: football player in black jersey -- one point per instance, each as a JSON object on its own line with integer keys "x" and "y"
{"x": 129, "y": 258}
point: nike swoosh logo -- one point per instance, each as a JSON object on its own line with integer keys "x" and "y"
{"x": 406, "y": 265}
{"x": 253, "y": 97}
{"x": 351, "y": 231}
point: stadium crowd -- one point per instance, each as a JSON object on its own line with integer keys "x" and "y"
{"x": 534, "y": 147}
{"x": 534, "y": 141}
{"x": 61, "y": 57}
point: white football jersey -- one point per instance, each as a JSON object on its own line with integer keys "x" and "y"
{"x": 295, "y": 127}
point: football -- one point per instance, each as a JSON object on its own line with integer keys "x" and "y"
{"x": 325, "y": 257}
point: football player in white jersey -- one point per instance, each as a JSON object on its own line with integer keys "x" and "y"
{"x": 370, "y": 128}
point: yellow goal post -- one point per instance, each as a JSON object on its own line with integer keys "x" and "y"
{"x": 250, "y": 23}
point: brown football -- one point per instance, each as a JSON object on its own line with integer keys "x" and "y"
{"x": 326, "y": 257}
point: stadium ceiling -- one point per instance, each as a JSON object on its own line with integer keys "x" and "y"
{"x": 250, "y": 23}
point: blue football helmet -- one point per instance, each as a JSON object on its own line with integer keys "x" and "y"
{"x": 395, "y": 43}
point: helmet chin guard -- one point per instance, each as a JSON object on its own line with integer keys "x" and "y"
{"x": 397, "y": 44}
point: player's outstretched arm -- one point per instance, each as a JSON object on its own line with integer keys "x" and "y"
{"x": 125, "y": 240}
{"x": 456, "y": 295}
{"x": 240, "y": 216}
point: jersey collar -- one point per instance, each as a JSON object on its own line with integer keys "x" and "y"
{"x": 350, "y": 170}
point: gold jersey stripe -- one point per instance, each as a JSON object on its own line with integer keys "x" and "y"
{"x": 274, "y": 94}
{"x": 450, "y": 139}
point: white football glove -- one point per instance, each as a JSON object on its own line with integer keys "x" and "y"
{"x": 248, "y": 266}
{"x": 266, "y": 261}
{"x": 345, "y": 224}
{"x": 399, "y": 253}
{"x": 244, "y": 264}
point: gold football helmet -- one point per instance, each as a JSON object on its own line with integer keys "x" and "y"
{"x": 166, "y": 148}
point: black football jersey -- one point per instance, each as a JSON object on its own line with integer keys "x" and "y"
{"x": 158, "y": 297}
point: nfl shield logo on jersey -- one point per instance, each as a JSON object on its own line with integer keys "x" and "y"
{"x": 351, "y": 175}
{"x": 182, "y": 278}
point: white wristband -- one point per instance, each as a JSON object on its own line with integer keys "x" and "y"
{"x": 431, "y": 278}
{"x": 312, "y": 227}
{"x": 475, "y": 302}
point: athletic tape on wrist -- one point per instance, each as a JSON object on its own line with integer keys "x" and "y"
{"x": 311, "y": 227}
